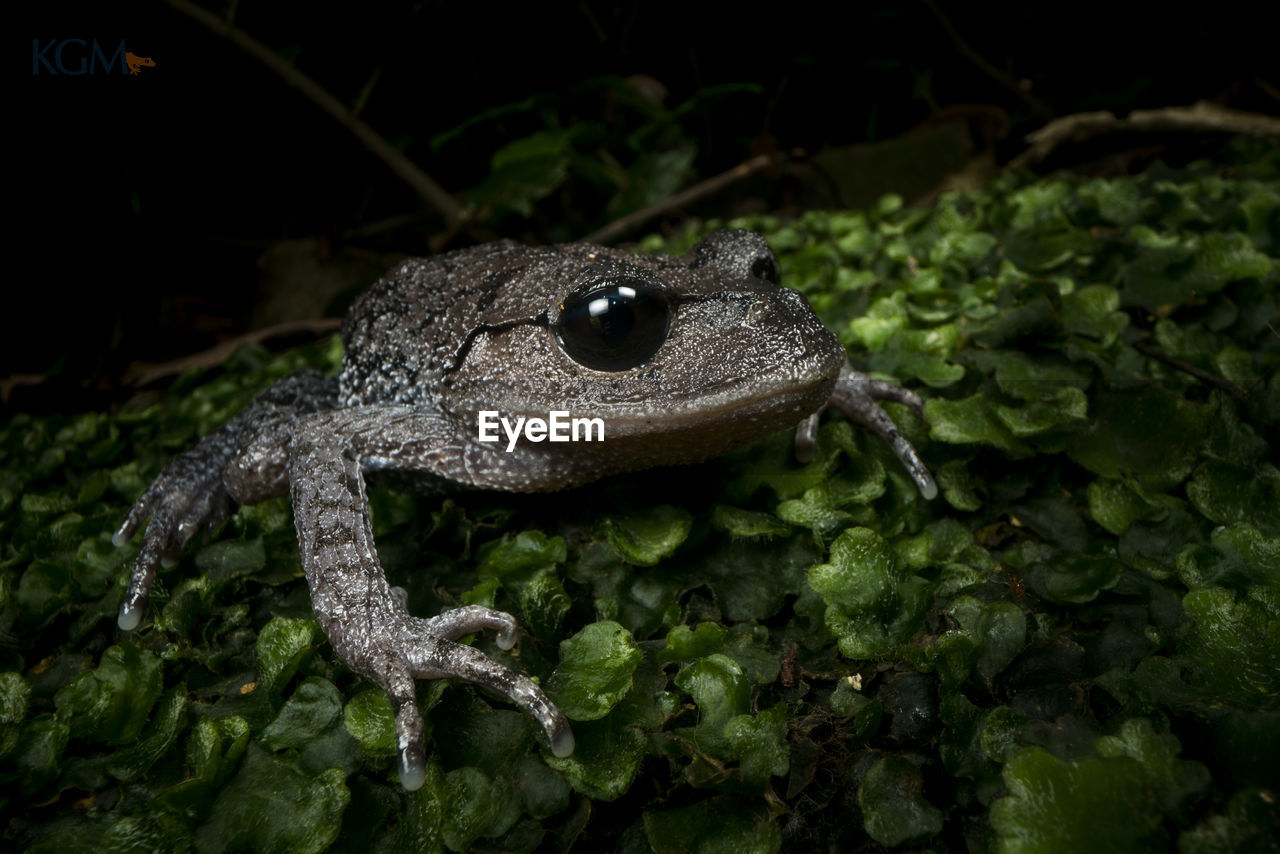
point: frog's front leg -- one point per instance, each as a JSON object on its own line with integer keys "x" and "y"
{"x": 365, "y": 621}
{"x": 856, "y": 395}
{"x": 244, "y": 462}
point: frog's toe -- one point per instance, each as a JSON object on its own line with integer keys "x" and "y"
{"x": 807, "y": 436}
{"x": 452, "y": 625}
{"x": 562, "y": 743}
{"x": 143, "y": 576}
{"x": 858, "y": 402}
{"x": 434, "y": 658}
{"x": 881, "y": 390}
{"x": 176, "y": 514}
{"x": 411, "y": 754}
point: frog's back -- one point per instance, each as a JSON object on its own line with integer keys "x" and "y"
{"x": 407, "y": 331}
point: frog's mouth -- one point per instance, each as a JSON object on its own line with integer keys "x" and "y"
{"x": 757, "y": 410}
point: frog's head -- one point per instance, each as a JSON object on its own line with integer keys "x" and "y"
{"x": 681, "y": 357}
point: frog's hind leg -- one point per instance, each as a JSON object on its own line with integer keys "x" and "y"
{"x": 243, "y": 462}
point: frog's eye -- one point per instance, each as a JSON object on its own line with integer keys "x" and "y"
{"x": 614, "y": 327}
{"x": 766, "y": 267}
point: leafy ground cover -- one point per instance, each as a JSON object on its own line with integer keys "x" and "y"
{"x": 1075, "y": 647}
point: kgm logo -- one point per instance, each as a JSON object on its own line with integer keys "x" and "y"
{"x": 75, "y": 57}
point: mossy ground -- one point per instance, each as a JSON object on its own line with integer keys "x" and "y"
{"x": 1076, "y": 647}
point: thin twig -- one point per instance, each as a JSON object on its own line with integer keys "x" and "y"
{"x": 219, "y": 353}
{"x": 1204, "y": 376}
{"x": 623, "y": 224}
{"x": 1202, "y": 117}
{"x": 420, "y": 182}
{"x": 985, "y": 67}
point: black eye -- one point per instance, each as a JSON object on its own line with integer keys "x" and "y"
{"x": 766, "y": 267}
{"x": 614, "y": 327}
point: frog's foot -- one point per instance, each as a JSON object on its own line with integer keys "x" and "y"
{"x": 857, "y": 396}
{"x": 426, "y": 649}
{"x": 187, "y": 497}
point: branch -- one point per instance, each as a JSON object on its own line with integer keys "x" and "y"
{"x": 1187, "y": 368}
{"x": 420, "y": 182}
{"x": 623, "y": 224}
{"x": 985, "y": 67}
{"x": 146, "y": 374}
{"x": 1200, "y": 117}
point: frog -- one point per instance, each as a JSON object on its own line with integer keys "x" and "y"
{"x": 681, "y": 358}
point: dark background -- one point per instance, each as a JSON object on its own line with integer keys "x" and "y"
{"x": 145, "y": 206}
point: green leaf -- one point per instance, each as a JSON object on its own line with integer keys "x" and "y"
{"x": 605, "y": 759}
{"x": 1234, "y": 651}
{"x": 44, "y": 588}
{"x": 1078, "y": 578}
{"x": 314, "y": 707}
{"x": 210, "y": 760}
{"x": 111, "y": 702}
{"x": 894, "y": 809}
{"x": 753, "y": 581}
{"x": 595, "y": 671}
{"x": 817, "y": 511}
{"x": 484, "y": 737}
{"x": 1092, "y": 311}
{"x": 1001, "y": 735}
{"x": 524, "y": 557}
{"x": 282, "y": 645}
{"x": 721, "y": 691}
{"x": 1116, "y": 505}
{"x": 1230, "y": 494}
{"x": 873, "y": 604}
{"x": 688, "y": 643}
{"x": 545, "y": 605}
{"x": 966, "y": 422}
{"x": 14, "y": 695}
{"x": 542, "y": 791}
{"x": 1118, "y": 201}
{"x": 760, "y": 743}
{"x": 524, "y": 171}
{"x": 272, "y": 805}
{"x": 864, "y": 713}
{"x": 476, "y": 806}
{"x": 862, "y": 574}
{"x": 958, "y": 486}
{"x": 1100, "y": 805}
{"x": 646, "y": 537}
{"x": 715, "y": 826}
{"x": 38, "y": 755}
{"x": 999, "y": 629}
{"x": 370, "y": 720}
{"x": 1148, "y": 435}
{"x": 1175, "y": 781}
{"x": 232, "y": 558}
{"x": 1249, "y": 825}
{"x": 1192, "y": 267}
{"x": 747, "y": 523}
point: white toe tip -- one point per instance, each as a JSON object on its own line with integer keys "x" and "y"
{"x": 128, "y": 620}
{"x": 562, "y": 744}
{"x": 929, "y": 489}
{"x": 506, "y": 639}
